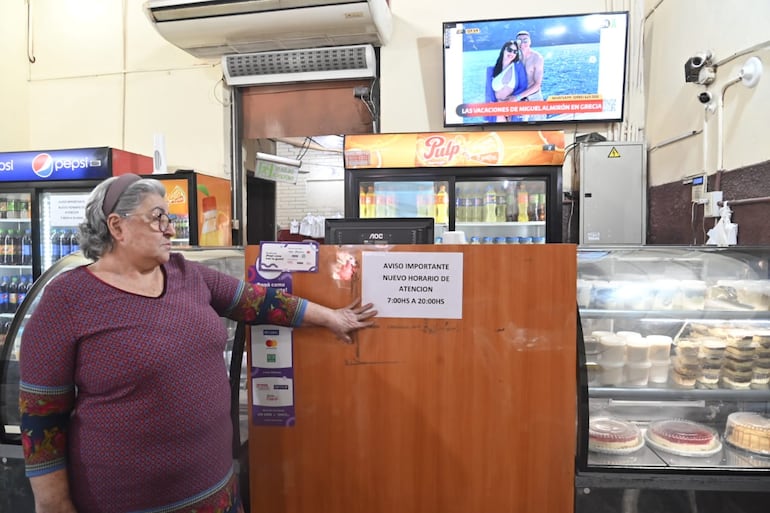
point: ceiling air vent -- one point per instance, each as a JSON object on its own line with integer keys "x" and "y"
{"x": 313, "y": 64}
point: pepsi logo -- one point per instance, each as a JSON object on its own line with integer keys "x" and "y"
{"x": 42, "y": 165}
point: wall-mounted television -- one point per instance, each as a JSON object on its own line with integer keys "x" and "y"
{"x": 492, "y": 69}
{"x": 382, "y": 230}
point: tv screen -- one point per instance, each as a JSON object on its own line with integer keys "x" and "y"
{"x": 373, "y": 230}
{"x": 535, "y": 70}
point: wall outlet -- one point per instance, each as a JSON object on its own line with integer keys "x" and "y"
{"x": 711, "y": 207}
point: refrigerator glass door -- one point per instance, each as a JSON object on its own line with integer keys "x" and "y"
{"x": 509, "y": 211}
{"x": 177, "y": 192}
{"x": 406, "y": 199}
{"x": 15, "y": 254}
{"x": 60, "y": 215}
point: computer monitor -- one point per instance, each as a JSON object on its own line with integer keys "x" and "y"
{"x": 379, "y": 230}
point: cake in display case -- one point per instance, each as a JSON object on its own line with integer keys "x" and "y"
{"x": 674, "y": 368}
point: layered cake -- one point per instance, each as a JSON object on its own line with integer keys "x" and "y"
{"x": 760, "y": 379}
{"x": 613, "y": 436}
{"x": 709, "y": 375}
{"x": 710, "y": 359}
{"x": 711, "y": 348}
{"x": 761, "y": 371}
{"x": 749, "y": 431}
{"x": 738, "y": 362}
{"x": 683, "y": 437}
{"x": 685, "y": 372}
{"x": 687, "y": 348}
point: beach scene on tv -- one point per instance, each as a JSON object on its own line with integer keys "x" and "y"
{"x": 534, "y": 70}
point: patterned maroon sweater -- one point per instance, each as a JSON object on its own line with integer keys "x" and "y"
{"x": 131, "y": 393}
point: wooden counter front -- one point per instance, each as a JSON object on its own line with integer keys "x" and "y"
{"x": 474, "y": 415}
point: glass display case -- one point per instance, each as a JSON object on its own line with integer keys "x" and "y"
{"x": 674, "y": 368}
{"x": 227, "y": 260}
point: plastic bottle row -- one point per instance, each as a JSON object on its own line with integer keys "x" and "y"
{"x": 63, "y": 242}
{"x": 500, "y": 205}
{"x": 13, "y": 291}
{"x": 372, "y": 203}
{"x": 181, "y": 227}
{"x": 15, "y": 247}
{"x": 14, "y": 208}
{"x": 499, "y": 240}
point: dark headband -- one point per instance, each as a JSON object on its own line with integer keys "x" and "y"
{"x": 116, "y": 190}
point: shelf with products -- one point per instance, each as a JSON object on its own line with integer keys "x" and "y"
{"x": 501, "y": 223}
{"x": 675, "y": 337}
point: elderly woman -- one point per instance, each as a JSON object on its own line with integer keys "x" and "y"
{"x": 124, "y": 392}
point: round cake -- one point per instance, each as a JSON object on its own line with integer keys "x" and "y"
{"x": 613, "y": 436}
{"x": 683, "y": 437}
{"x": 749, "y": 431}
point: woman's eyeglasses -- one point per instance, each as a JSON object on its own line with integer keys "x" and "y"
{"x": 511, "y": 49}
{"x": 160, "y": 221}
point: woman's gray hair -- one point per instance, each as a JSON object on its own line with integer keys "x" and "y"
{"x": 95, "y": 237}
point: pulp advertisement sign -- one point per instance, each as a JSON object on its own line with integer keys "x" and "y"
{"x": 453, "y": 149}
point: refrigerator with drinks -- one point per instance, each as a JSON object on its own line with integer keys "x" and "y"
{"x": 202, "y": 206}
{"x": 42, "y": 201}
{"x": 495, "y": 187}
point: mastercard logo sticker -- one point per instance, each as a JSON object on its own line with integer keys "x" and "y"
{"x": 271, "y": 343}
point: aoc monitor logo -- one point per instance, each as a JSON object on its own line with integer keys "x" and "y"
{"x": 44, "y": 165}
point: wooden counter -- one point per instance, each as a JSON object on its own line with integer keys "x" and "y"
{"x": 475, "y": 415}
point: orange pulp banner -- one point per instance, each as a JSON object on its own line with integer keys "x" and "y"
{"x": 453, "y": 149}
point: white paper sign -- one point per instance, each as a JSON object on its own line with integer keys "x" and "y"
{"x": 271, "y": 347}
{"x": 413, "y": 285}
{"x": 277, "y": 391}
{"x": 288, "y": 256}
{"x": 68, "y": 209}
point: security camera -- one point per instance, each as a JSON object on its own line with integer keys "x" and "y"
{"x": 705, "y": 97}
{"x": 694, "y": 64}
{"x": 700, "y": 59}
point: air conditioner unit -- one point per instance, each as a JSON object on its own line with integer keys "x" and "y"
{"x": 312, "y": 64}
{"x": 210, "y": 29}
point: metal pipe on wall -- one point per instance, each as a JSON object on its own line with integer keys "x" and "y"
{"x": 720, "y": 122}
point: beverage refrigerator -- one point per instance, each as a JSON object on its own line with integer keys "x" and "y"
{"x": 202, "y": 205}
{"x": 42, "y": 201}
{"x": 496, "y": 187}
